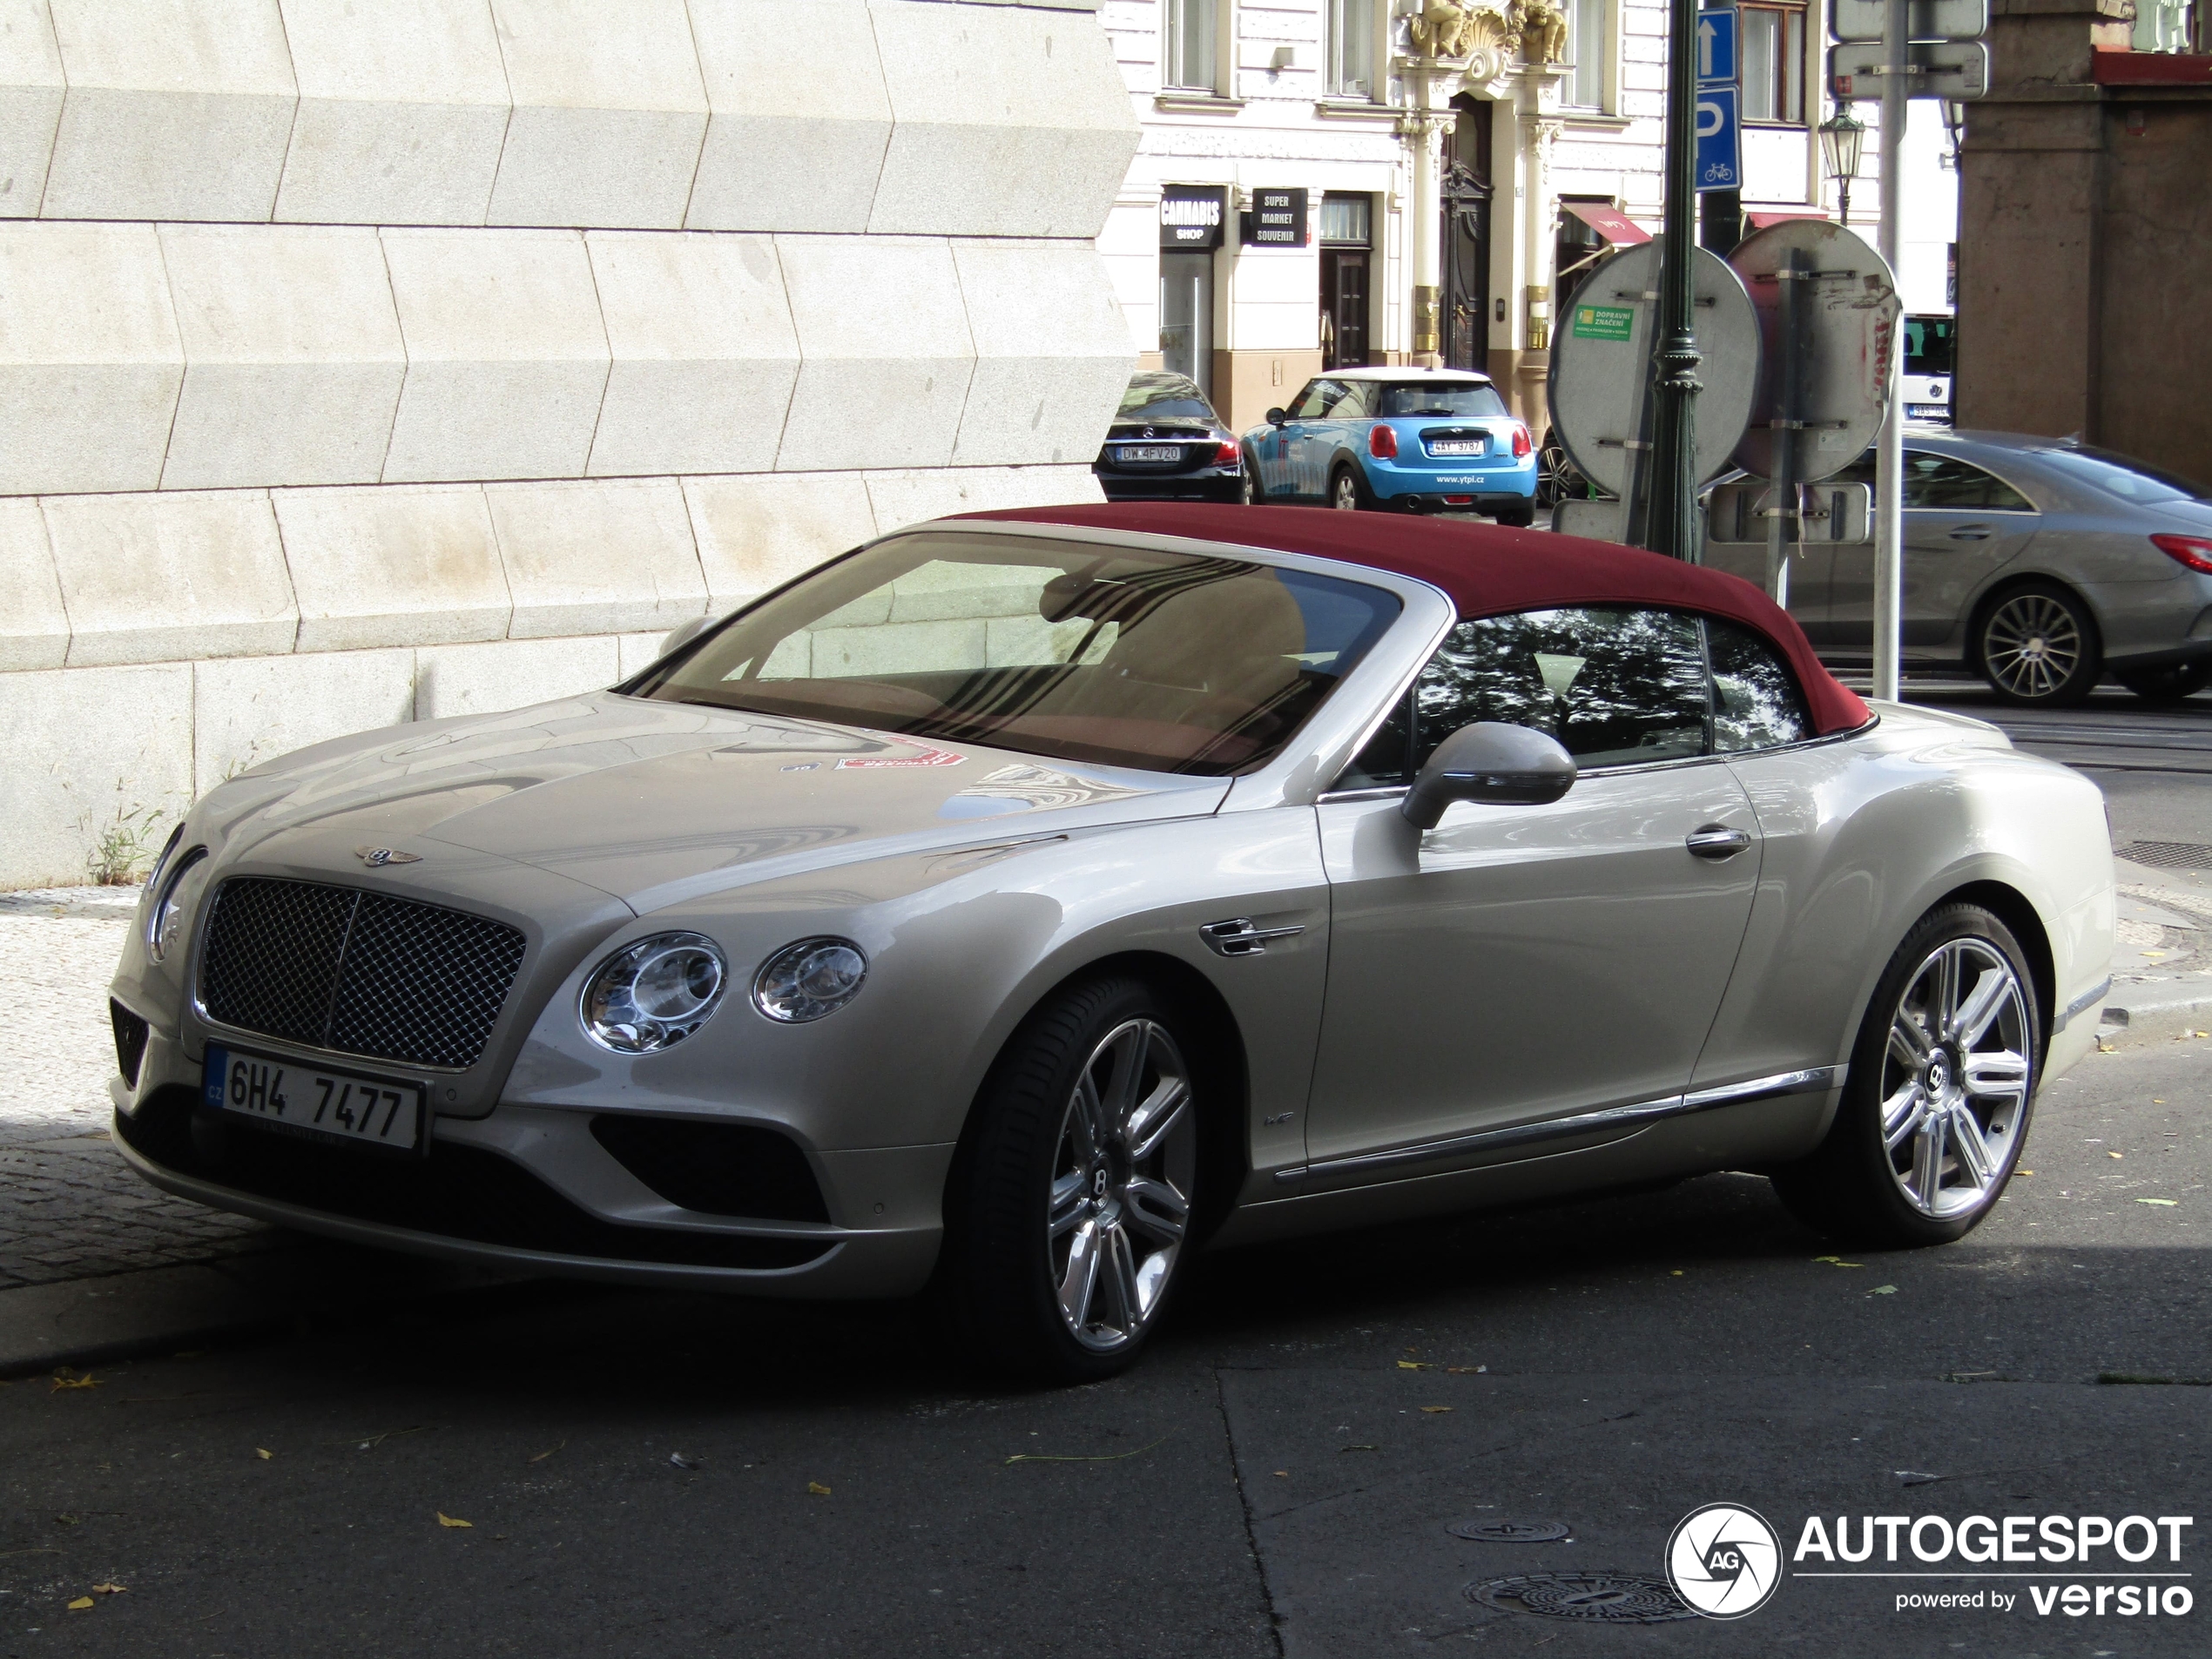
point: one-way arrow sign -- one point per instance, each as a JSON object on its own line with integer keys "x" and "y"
{"x": 1717, "y": 45}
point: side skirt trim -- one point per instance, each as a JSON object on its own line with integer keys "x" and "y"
{"x": 1811, "y": 1080}
{"x": 2082, "y": 1004}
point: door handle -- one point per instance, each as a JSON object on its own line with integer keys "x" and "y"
{"x": 1716, "y": 841}
{"x": 1970, "y": 533}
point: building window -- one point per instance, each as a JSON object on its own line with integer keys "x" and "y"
{"x": 1352, "y": 49}
{"x": 1589, "y": 43}
{"x": 1190, "y": 29}
{"x": 1773, "y": 49}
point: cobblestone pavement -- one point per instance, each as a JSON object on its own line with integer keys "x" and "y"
{"x": 70, "y": 1208}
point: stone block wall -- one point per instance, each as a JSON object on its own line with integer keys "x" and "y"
{"x": 367, "y": 363}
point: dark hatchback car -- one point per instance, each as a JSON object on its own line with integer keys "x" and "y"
{"x": 1167, "y": 444}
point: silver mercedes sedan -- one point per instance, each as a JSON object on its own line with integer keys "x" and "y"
{"x": 1021, "y": 901}
{"x": 2038, "y": 563}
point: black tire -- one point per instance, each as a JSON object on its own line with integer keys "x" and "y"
{"x": 1519, "y": 518}
{"x": 1850, "y": 1188}
{"x": 1002, "y": 1269}
{"x": 1348, "y": 490}
{"x": 2038, "y": 646}
{"x": 2174, "y": 683}
{"x": 1556, "y": 478}
{"x": 1251, "y": 494}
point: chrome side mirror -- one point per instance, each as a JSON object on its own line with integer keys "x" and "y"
{"x": 1501, "y": 765}
{"x": 680, "y": 638}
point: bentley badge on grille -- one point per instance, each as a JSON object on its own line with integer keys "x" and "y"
{"x": 377, "y": 857}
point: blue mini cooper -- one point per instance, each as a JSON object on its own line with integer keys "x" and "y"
{"x": 1412, "y": 439}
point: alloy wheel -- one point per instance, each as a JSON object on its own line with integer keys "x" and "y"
{"x": 1956, "y": 1078}
{"x": 2032, "y": 645}
{"x": 1344, "y": 493}
{"x": 1120, "y": 1204}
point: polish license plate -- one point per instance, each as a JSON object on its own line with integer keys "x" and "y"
{"x": 1149, "y": 452}
{"x": 1456, "y": 446}
{"x": 313, "y": 1102}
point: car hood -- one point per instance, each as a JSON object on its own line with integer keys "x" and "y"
{"x": 658, "y": 802}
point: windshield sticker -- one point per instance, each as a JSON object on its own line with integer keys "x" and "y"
{"x": 923, "y": 756}
{"x": 1559, "y": 673}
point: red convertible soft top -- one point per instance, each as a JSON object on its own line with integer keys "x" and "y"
{"x": 1486, "y": 568}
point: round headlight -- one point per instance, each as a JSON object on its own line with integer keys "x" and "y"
{"x": 653, "y": 995}
{"x": 167, "y": 919}
{"x": 808, "y": 980}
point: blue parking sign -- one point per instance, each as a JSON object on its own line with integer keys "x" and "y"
{"x": 1719, "y": 161}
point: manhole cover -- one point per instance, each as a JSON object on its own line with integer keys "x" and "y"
{"x": 1510, "y": 1531}
{"x": 2169, "y": 855}
{"x": 1598, "y": 1598}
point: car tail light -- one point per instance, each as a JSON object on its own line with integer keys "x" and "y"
{"x": 2193, "y": 550}
{"x": 1382, "y": 442}
{"x": 1521, "y": 445}
{"x": 1228, "y": 454}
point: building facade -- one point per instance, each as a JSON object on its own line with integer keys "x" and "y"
{"x": 1329, "y": 182}
{"x": 363, "y": 363}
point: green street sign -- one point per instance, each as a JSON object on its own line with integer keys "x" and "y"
{"x": 1604, "y": 323}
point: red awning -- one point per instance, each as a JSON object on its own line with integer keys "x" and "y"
{"x": 1609, "y": 222}
{"x": 2118, "y": 66}
{"x": 1760, "y": 218}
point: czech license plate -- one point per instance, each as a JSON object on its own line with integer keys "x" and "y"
{"x": 1456, "y": 446}
{"x": 313, "y": 1102}
{"x": 1927, "y": 411}
{"x": 1149, "y": 452}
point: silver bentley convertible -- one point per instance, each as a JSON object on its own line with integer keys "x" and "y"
{"x": 1021, "y": 901}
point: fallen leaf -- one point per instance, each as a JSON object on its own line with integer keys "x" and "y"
{"x": 540, "y": 1457}
{"x": 2156, "y": 1101}
{"x": 263, "y": 1452}
{"x": 2164, "y": 1204}
{"x": 62, "y": 1379}
{"x": 2023, "y": 1172}
{"x": 2115, "y": 1155}
{"x": 1415, "y": 1365}
{"x": 80, "y": 1604}
{"x": 1282, "y": 1474}
{"x": 1676, "y": 1273}
{"x": 821, "y": 1490}
{"x": 1436, "y": 1408}
{"x": 1042, "y": 1457}
{"x": 1883, "y": 1289}
{"x": 2106, "y": 1048}
{"x": 110, "y": 1589}
{"x": 1837, "y": 1261}
{"x": 445, "y": 1520}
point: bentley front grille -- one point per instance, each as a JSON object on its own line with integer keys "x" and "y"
{"x": 361, "y": 972}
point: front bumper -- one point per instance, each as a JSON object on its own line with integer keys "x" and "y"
{"x": 532, "y": 1190}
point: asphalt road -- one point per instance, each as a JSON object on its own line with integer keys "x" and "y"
{"x": 640, "y": 1472}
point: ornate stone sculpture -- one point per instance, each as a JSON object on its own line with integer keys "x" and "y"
{"x": 1478, "y": 32}
{"x": 1540, "y": 28}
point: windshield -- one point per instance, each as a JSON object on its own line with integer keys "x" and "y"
{"x": 1163, "y": 397}
{"x": 1447, "y": 399}
{"x": 2121, "y": 476}
{"x": 1930, "y": 343}
{"x": 1168, "y": 662}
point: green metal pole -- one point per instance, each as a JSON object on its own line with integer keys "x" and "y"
{"x": 1671, "y": 527}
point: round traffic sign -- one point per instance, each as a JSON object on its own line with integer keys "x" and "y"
{"x": 1847, "y": 346}
{"x": 1601, "y": 367}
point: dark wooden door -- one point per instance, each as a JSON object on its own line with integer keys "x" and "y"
{"x": 1465, "y": 236}
{"x": 1344, "y": 307}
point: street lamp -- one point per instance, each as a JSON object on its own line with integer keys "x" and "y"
{"x": 1841, "y": 137}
